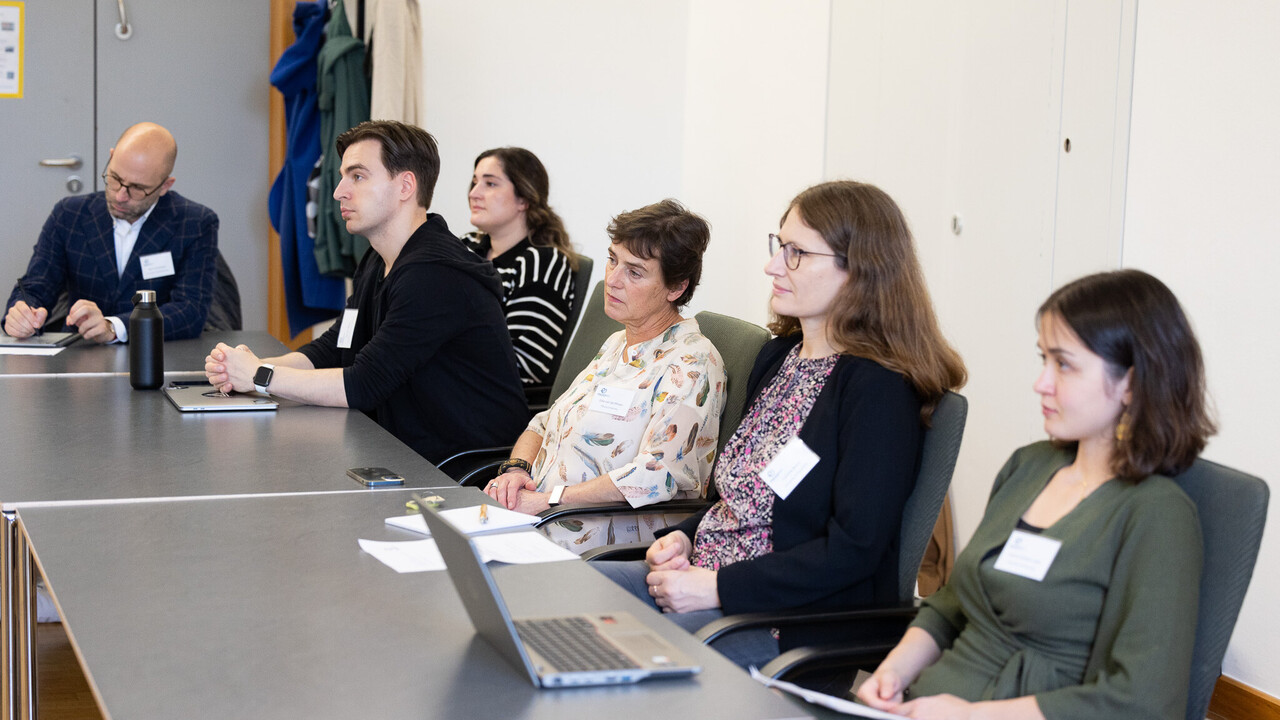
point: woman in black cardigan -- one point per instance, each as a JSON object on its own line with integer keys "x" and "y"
{"x": 810, "y": 489}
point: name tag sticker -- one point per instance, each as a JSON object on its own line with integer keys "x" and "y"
{"x": 612, "y": 400}
{"x": 1028, "y": 555}
{"x": 792, "y": 463}
{"x": 156, "y": 266}
{"x": 348, "y": 327}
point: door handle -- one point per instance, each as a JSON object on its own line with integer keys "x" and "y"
{"x": 71, "y": 162}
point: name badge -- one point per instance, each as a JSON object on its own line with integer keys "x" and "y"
{"x": 1028, "y": 555}
{"x": 348, "y": 327}
{"x": 612, "y": 400}
{"x": 792, "y": 463}
{"x": 157, "y": 265}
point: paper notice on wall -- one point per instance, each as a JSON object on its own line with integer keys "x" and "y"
{"x": 10, "y": 49}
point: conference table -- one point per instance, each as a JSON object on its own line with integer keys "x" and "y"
{"x": 79, "y": 433}
{"x": 181, "y": 357}
{"x": 266, "y": 607}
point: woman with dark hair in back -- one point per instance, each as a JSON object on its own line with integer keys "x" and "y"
{"x": 1077, "y": 595}
{"x": 527, "y": 243}
{"x": 812, "y": 485}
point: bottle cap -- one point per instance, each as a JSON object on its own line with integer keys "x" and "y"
{"x": 144, "y": 296}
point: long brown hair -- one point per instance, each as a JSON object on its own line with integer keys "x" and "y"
{"x": 529, "y": 177}
{"x": 883, "y": 311}
{"x": 1134, "y": 322}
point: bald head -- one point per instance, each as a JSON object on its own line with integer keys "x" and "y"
{"x": 152, "y": 144}
{"x": 138, "y": 172}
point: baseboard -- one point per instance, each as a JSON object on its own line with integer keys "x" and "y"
{"x": 1233, "y": 700}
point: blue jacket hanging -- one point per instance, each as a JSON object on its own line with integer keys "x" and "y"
{"x": 309, "y": 296}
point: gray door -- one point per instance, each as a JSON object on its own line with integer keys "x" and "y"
{"x": 52, "y": 121}
{"x": 198, "y": 68}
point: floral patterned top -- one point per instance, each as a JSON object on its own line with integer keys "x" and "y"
{"x": 661, "y": 447}
{"x": 739, "y": 526}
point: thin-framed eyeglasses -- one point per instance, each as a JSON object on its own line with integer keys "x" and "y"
{"x": 791, "y": 254}
{"x": 136, "y": 192}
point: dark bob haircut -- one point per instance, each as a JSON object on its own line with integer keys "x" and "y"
{"x": 404, "y": 148}
{"x": 1133, "y": 322}
{"x": 670, "y": 233}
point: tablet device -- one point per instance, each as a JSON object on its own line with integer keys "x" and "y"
{"x": 45, "y": 340}
{"x": 203, "y": 397}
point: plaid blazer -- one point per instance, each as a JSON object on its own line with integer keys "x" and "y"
{"x": 76, "y": 252}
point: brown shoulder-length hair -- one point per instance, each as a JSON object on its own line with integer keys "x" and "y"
{"x": 533, "y": 186}
{"x": 1134, "y": 323}
{"x": 883, "y": 311}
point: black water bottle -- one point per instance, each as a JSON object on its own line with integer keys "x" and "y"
{"x": 146, "y": 342}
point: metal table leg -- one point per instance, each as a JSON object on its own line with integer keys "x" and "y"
{"x": 24, "y": 627}
{"x": 8, "y": 639}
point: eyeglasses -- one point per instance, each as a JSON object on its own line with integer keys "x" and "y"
{"x": 135, "y": 191}
{"x": 792, "y": 255}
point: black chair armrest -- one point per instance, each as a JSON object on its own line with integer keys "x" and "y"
{"x": 538, "y": 397}
{"x": 618, "y": 508}
{"x": 873, "y": 622}
{"x": 617, "y": 551}
{"x": 465, "y": 465}
{"x": 825, "y": 659}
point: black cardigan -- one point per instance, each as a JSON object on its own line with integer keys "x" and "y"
{"x": 835, "y": 537}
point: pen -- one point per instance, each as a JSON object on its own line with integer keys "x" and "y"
{"x": 22, "y": 288}
{"x": 484, "y": 514}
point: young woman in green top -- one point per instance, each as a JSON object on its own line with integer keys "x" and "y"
{"x": 1076, "y": 596}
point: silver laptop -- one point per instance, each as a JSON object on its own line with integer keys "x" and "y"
{"x": 203, "y": 397}
{"x": 556, "y": 651}
{"x": 43, "y": 340}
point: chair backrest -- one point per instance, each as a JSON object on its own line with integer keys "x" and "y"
{"x": 581, "y": 277}
{"x": 224, "y": 310}
{"x": 594, "y": 329}
{"x": 1233, "y": 511}
{"x": 738, "y": 342}
{"x": 938, "y": 453}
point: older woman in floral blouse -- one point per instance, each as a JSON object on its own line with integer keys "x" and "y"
{"x": 641, "y": 422}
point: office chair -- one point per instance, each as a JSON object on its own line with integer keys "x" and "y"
{"x": 478, "y": 466}
{"x": 873, "y": 629}
{"x": 224, "y": 311}
{"x": 539, "y": 396}
{"x": 1233, "y": 512}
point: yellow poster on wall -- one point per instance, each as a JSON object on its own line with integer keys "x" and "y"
{"x": 10, "y": 49}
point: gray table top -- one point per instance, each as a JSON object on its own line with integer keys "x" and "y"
{"x": 85, "y": 358}
{"x": 76, "y": 438}
{"x": 265, "y": 607}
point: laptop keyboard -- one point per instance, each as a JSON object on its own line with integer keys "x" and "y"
{"x": 572, "y": 644}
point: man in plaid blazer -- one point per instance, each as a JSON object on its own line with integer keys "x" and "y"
{"x": 103, "y": 247}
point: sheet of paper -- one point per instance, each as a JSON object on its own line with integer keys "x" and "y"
{"x": 467, "y": 520}
{"x": 18, "y": 350}
{"x": 522, "y": 548}
{"x": 827, "y": 701}
{"x": 403, "y": 557}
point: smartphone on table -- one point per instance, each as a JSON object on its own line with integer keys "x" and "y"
{"x": 375, "y": 476}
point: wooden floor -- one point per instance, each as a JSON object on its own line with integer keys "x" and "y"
{"x": 63, "y": 691}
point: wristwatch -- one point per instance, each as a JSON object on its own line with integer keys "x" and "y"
{"x": 515, "y": 462}
{"x": 557, "y": 493}
{"x": 262, "y": 378}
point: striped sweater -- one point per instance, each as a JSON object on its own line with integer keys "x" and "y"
{"x": 537, "y": 290}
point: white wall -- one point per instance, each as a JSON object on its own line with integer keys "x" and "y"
{"x": 722, "y": 105}
{"x": 595, "y": 89}
{"x": 1204, "y": 175}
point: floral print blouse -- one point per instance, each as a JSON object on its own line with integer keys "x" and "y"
{"x": 740, "y": 525}
{"x": 670, "y": 393}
